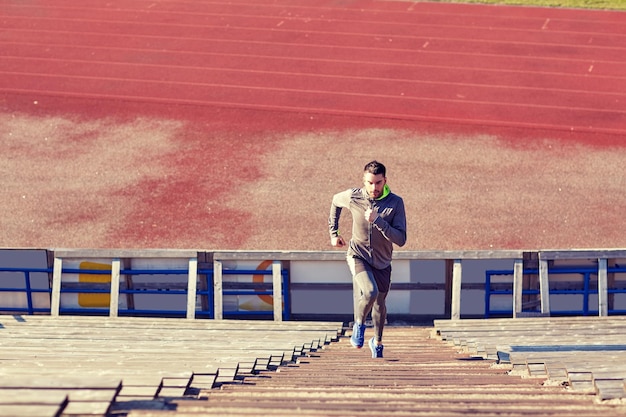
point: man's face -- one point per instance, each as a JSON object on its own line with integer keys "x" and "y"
{"x": 374, "y": 184}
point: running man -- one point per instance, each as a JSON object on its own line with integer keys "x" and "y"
{"x": 378, "y": 222}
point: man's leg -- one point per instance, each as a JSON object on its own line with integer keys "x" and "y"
{"x": 365, "y": 288}
{"x": 379, "y": 310}
{"x": 382, "y": 277}
{"x": 365, "y": 293}
{"x": 379, "y": 316}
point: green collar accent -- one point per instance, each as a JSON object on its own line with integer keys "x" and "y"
{"x": 386, "y": 192}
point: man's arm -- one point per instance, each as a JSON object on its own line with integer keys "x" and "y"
{"x": 395, "y": 231}
{"x": 340, "y": 200}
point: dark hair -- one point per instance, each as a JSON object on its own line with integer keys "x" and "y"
{"x": 375, "y": 168}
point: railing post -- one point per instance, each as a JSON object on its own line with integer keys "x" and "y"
{"x": 603, "y": 293}
{"x": 218, "y": 306}
{"x": 115, "y": 287}
{"x": 277, "y": 286}
{"x": 457, "y": 270}
{"x": 29, "y": 293}
{"x": 192, "y": 286}
{"x": 518, "y": 287}
{"x": 55, "y": 300}
{"x": 544, "y": 286}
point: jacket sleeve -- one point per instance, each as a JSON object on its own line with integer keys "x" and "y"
{"x": 395, "y": 231}
{"x": 340, "y": 200}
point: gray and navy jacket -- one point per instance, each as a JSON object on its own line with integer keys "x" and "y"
{"x": 372, "y": 242}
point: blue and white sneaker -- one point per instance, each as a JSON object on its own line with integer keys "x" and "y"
{"x": 358, "y": 335}
{"x": 377, "y": 350}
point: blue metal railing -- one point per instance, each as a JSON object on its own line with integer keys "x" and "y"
{"x": 244, "y": 289}
{"x": 27, "y": 289}
{"x": 585, "y": 291}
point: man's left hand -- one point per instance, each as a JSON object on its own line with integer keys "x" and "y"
{"x": 371, "y": 215}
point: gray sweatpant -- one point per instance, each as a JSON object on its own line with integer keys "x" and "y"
{"x": 370, "y": 287}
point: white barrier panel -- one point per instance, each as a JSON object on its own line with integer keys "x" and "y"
{"x": 165, "y": 301}
{"x": 321, "y": 301}
{"x": 325, "y": 301}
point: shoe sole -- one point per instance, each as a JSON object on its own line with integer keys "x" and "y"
{"x": 355, "y": 345}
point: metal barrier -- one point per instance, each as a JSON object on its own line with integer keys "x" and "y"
{"x": 256, "y": 289}
{"x": 209, "y": 268}
{"x": 587, "y": 289}
{"x": 128, "y": 290}
{"x": 207, "y": 311}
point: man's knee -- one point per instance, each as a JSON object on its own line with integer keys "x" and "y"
{"x": 371, "y": 294}
{"x": 379, "y": 304}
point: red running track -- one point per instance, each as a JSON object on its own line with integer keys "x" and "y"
{"x": 519, "y": 67}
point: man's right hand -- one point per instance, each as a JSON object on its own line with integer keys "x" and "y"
{"x": 337, "y": 242}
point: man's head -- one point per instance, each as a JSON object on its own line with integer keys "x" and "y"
{"x": 374, "y": 179}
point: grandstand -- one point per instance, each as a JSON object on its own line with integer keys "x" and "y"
{"x": 167, "y": 169}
